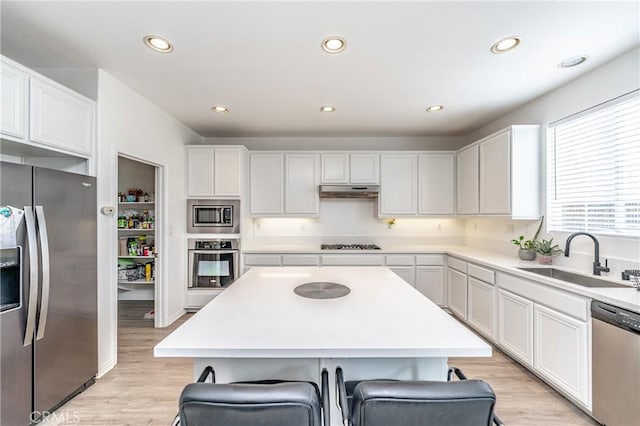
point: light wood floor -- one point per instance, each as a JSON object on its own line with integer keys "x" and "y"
{"x": 143, "y": 390}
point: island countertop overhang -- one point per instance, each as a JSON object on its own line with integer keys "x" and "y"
{"x": 260, "y": 316}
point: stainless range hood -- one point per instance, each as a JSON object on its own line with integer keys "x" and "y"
{"x": 349, "y": 191}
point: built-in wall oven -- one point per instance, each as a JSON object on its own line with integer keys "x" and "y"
{"x": 213, "y": 264}
{"x": 213, "y": 216}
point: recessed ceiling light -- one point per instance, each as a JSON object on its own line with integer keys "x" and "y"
{"x": 334, "y": 44}
{"x": 505, "y": 45}
{"x": 219, "y": 108}
{"x": 327, "y": 108}
{"x": 158, "y": 44}
{"x": 434, "y": 108}
{"x": 573, "y": 61}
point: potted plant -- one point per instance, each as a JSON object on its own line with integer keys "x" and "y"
{"x": 527, "y": 248}
{"x": 547, "y": 250}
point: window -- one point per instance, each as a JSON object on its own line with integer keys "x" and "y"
{"x": 593, "y": 169}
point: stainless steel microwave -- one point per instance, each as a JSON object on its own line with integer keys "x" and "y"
{"x": 213, "y": 216}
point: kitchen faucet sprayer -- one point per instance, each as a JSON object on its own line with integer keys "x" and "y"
{"x": 597, "y": 267}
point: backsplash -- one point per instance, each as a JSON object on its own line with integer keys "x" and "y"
{"x": 495, "y": 235}
{"x": 348, "y": 220}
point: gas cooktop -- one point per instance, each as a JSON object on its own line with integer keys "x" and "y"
{"x": 349, "y": 247}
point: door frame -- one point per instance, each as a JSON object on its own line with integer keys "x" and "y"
{"x": 160, "y": 286}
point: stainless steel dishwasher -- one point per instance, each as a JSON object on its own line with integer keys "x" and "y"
{"x": 616, "y": 365}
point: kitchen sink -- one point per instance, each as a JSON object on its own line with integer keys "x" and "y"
{"x": 572, "y": 278}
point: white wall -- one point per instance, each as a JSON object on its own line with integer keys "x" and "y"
{"x": 130, "y": 124}
{"x": 620, "y": 76}
{"x": 424, "y": 143}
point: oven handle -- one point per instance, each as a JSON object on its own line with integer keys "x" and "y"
{"x": 213, "y": 251}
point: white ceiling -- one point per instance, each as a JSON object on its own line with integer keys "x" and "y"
{"x": 263, "y": 59}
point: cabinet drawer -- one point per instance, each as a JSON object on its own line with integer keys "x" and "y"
{"x": 480, "y": 273}
{"x": 352, "y": 260}
{"x": 430, "y": 260}
{"x": 400, "y": 260}
{"x": 262, "y": 259}
{"x": 570, "y": 304}
{"x": 300, "y": 260}
{"x": 457, "y": 264}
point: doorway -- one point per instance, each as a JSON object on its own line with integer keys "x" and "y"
{"x": 138, "y": 222}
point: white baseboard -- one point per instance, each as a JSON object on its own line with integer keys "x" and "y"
{"x": 173, "y": 317}
{"x": 106, "y": 367}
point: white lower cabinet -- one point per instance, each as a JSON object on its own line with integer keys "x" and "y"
{"x": 430, "y": 282}
{"x": 405, "y": 272}
{"x": 515, "y": 326}
{"x": 457, "y": 292}
{"x": 480, "y": 310}
{"x": 561, "y": 352}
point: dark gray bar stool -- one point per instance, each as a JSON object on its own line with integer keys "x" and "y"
{"x": 264, "y": 403}
{"x": 416, "y": 403}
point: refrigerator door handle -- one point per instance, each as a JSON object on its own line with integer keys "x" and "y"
{"x": 46, "y": 272}
{"x": 33, "y": 275}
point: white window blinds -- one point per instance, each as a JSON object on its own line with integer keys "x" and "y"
{"x": 593, "y": 170}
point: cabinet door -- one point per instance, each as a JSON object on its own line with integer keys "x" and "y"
{"x": 14, "y": 101}
{"x": 436, "y": 187}
{"x": 265, "y": 184}
{"x": 365, "y": 168}
{"x": 481, "y": 312}
{"x": 301, "y": 184}
{"x": 405, "y": 272}
{"x": 430, "y": 282}
{"x": 457, "y": 289}
{"x": 335, "y": 168}
{"x": 561, "y": 352}
{"x": 61, "y": 118}
{"x": 495, "y": 175}
{"x": 515, "y": 326}
{"x": 200, "y": 171}
{"x": 467, "y": 168}
{"x": 398, "y": 190}
{"x": 226, "y": 169}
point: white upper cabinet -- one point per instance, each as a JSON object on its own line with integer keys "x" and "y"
{"x": 468, "y": 180}
{"x": 500, "y": 174}
{"x": 39, "y": 112}
{"x": 266, "y": 184}
{"x": 335, "y": 168}
{"x": 284, "y": 184}
{"x": 301, "y": 184}
{"x": 199, "y": 171}
{"x": 214, "y": 171}
{"x": 13, "y": 119}
{"x": 495, "y": 175}
{"x": 356, "y": 168}
{"x": 227, "y": 171}
{"x": 398, "y": 184}
{"x": 61, "y": 118}
{"x": 365, "y": 168}
{"x": 436, "y": 183}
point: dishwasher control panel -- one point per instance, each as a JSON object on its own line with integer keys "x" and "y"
{"x": 630, "y": 320}
{"x": 616, "y": 316}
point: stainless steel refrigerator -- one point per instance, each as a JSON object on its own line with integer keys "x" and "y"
{"x": 48, "y": 323}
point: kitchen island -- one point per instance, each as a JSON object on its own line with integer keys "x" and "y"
{"x": 260, "y": 328}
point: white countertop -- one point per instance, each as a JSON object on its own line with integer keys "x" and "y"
{"x": 260, "y": 316}
{"x": 628, "y": 298}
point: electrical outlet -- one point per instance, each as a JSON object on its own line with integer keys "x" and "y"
{"x": 510, "y": 228}
{"x": 439, "y": 227}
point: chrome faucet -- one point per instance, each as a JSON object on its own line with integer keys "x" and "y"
{"x": 597, "y": 268}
